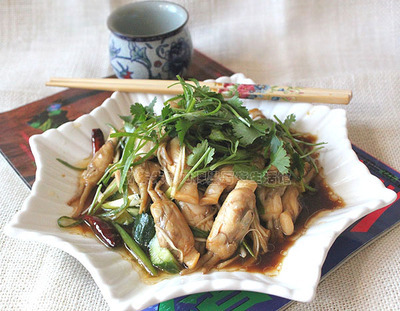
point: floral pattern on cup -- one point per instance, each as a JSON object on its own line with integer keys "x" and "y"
{"x": 159, "y": 59}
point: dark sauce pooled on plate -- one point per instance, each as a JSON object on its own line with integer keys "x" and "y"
{"x": 84, "y": 230}
{"x": 313, "y": 204}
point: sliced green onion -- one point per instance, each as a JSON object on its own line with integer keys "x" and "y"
{"x": 134, "y": 211}
{"x": 124, "y": 219}
{"x": 93, "y": 206}
{"x": 133, "y": 200}
{"x": 100, "y": 198}
{"x": 311, "y": 152}
{"x": 309, "y": 188}
{"x": 70, "y": 165}
{"x": 168, "y": 193}
{"x": 198, "y": 233}
{"x": 248, "y": 248}
{"x": 136, "y": 250}
{"x": 68, "y": 222}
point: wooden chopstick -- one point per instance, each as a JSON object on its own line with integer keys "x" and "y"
{"x": 246, "y": 91}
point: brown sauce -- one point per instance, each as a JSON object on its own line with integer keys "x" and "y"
{"x": 85, "y": 231}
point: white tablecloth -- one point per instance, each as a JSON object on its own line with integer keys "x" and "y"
{"x": 334, "y": 44}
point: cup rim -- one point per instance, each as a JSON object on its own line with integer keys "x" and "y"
{"x": 130, "y": 37}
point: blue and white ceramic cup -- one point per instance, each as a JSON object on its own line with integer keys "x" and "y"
{"x": 149, "y": 40}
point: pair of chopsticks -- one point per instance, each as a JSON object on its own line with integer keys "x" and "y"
{"x": 245, "y": 91}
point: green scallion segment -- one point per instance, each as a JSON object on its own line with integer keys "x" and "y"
{"x": 136, "y": 250}
{"x": 68, "y": 222}
{"x": 70, "y": 165}
{"x": 198, "y": 233}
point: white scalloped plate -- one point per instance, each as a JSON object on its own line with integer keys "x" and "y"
{"x": 120, "y": 284}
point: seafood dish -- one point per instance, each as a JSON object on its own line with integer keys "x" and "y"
{"x": 205, "y": 185}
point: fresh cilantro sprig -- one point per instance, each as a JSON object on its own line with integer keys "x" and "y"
{"x": 201, "y": 156}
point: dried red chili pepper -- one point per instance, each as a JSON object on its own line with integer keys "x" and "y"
{"x": 103, "y": 230}
{"x": 97, "y": 140}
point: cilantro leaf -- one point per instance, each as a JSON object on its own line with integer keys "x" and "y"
{"x": 202, "y": 155}
{"x": 209, "y": 156}
{"x": 138, "y": 111}
{"x": 297, "y": 165}
{"x": 238, "y": 157}
{"x": 236, "y": 103}
{"x": 182, "y": 126}
{"x": 280, "y": 159}
{"x": 290, "y": 119}
{"x": 126, "y": 119}
{"x": 198, "y": 152}
{"x": 246, "y": 135}
{"x": 150, "y": 107}
{"x": 129, "y": 127}
{"x": 218, "y": 135}
{"x": 166, "y": 112}
{"x": 275, "y": 143}
{"x": 264, "y": 125}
